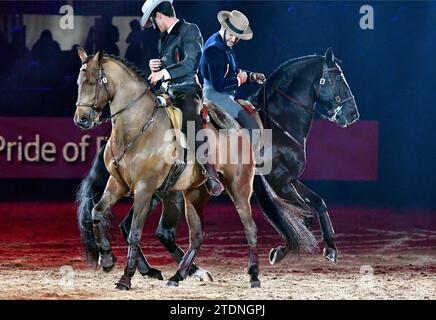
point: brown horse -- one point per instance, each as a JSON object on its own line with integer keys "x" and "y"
{"x": 134, "y": 157}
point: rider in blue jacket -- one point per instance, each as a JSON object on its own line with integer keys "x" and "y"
{"x": 221, "y": 73}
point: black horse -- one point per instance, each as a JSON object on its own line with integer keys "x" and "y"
{"x": 286, "y": 103}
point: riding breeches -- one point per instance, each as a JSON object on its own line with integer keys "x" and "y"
{"x": 188, "y": 99}
{"x": 226, "y": 101}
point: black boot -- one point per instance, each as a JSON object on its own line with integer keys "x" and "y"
{"x": 213, "y": 184}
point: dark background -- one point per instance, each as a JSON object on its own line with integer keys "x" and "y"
{"x": 390, "y": 69}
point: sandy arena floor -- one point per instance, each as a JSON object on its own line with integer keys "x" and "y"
{"x": 41, "y": 258}
{"x": 377, "y": 277}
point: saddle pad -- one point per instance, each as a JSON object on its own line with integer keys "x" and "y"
{"x": 175, "y": 115}
{"x": 220, "y": 118}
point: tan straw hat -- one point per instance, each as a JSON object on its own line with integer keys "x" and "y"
{"x": 236, "y": 23}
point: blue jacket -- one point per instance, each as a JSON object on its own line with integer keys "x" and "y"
{"x": 218, "y": 65}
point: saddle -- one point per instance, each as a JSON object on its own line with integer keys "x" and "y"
{"x": 209, "y": 113}
{"x": 214, "y": 114}
{"x": 222, "y": 120}
{"x": 219, "y": 118}
{"x": 175, "y": 116}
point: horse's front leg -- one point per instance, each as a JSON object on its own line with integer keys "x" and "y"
{"x": 144, "y": 267}
{"x": 141, "y": 211}
{"x": 100, "y": 220}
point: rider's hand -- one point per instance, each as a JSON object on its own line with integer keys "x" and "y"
{"x": 242, "y": 76}
{"x": 257, "y": 77}
{"x": 155, "y": 77}
{"x": 155, "y": 65}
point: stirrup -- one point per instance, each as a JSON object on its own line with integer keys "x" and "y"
{"x": 214, "y": 180}
{"x": 216, "y": 188}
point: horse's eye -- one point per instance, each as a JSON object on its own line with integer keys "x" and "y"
{"x": 338, "y": 78}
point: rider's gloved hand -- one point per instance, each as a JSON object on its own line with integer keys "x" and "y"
{"x": 257, "y": 77}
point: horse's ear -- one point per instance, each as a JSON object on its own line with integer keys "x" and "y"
{"x": 329, "y": 56}
{"x": 82, "y": 54}
{"x": 99, "y": 55}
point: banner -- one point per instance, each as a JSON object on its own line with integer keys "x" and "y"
{"x": 55, "y": 148}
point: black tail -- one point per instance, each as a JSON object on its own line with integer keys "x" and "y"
{"x": 89, "y": 193}
{"x": 284, "y": 217}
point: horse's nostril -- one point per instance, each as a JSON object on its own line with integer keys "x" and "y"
{"x": 354, "y": 115}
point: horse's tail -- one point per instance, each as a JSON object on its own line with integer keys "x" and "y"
{"x": 89, "y": 193}
{"x": 285, "y": 218}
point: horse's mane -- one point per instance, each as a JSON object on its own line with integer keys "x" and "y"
{"x": 140, "y": 75}
{"x": 288, "y": 69}
{"x": 129, "y": 66}
{"x": 291, "y": 63}
{"x": 136, "y": 71}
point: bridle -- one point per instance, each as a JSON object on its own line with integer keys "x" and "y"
{"x": 325, "y": 79}
{"x": 331, "y": 115}
{"x": 101, "y": 82}
{"x": 338, "y": 100}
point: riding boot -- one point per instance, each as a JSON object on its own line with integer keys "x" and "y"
{"x": 213, "y": 184}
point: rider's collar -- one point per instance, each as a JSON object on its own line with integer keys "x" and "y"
{"x": 172, "y": 26}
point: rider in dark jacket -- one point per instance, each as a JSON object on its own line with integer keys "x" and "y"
{"x": 179, "y": 57}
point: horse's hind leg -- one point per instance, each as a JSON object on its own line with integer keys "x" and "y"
{"x": 318, "y": 205}
{"x": 199, "y": 199}
{"x": 173, "y": 209}
{"x": 240, "y": 192}
{"x": 195, "y": 239}
{"x": 144, "y": 267}
{"x": 113, "y": 192}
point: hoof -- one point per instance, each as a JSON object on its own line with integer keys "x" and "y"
{"x": 172, "y": 283}
{"x": 277, "y": 254}
{"x": 108, "y": 269}
{"x": 123, "y": 284}
{"x": 121, "y": 287}
{"x": 254, "y": 284}
{"x": 153, "y": 274}
{"x": 202, "y": 275}
{"x": 331, "y": 254}
{"x": 174, "y": 280}
{"x": 107, "y": 261}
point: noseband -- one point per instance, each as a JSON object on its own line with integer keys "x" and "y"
{"x": 339, "y": 101}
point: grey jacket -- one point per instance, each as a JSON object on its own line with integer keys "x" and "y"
{"x": 180, "y": 52}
